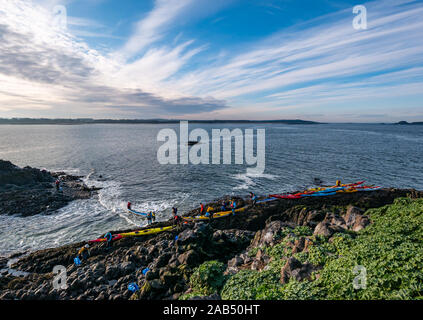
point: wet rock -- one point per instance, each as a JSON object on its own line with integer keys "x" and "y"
{"x": 29, "y": 191}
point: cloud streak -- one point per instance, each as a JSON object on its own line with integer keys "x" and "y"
{"x": 319, "y": 64}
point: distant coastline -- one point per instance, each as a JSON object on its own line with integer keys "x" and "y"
{"x": 138, "y": 121}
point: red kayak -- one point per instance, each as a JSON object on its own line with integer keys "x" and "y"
{"x": 114, "y": 238}
{"x": 285, "y": 196}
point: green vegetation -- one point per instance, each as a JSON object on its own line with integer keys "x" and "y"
{"x": 206, "y": 279}
{"x": 390, "y": 249}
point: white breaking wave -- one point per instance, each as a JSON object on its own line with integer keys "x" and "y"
{"x": 249, "y": 179}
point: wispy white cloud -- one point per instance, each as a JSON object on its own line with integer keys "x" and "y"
{"x": 315, "y": 65}
{"x": 45, "y": 67}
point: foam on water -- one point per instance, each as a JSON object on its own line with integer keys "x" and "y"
{"x": 250, "y": 179}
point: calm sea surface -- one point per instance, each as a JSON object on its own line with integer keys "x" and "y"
{"x": 125, "y": 156}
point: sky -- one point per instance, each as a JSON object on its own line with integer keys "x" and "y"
{"x": 221, "y": 59}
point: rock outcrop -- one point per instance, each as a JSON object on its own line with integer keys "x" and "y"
{"x": 162, "y": 264}
{"x": 29, "y": 191}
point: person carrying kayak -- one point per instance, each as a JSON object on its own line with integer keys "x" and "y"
{"x": 83, "y": 253}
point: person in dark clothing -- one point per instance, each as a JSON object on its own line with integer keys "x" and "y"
{"x": 253, "y": 198}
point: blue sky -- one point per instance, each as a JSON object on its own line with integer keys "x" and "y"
{"x": 222, "y": 59}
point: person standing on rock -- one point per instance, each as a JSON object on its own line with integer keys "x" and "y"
{"x": 57, "y": 183}
{"x": 149, "y": 217}
{"x": 223, "y": 208}
{"x": 83, "y": 253}
{"x": 109, "y": 238}
{"x": 233, "y": 206}
{"x": 253, "y": 198}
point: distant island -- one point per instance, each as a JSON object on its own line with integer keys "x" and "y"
{"x": 409, "y": 123}
{"x": 137, "y": 121}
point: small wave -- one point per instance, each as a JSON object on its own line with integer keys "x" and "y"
{"x": 248, "y": 179}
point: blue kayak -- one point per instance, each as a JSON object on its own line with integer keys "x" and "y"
{"x": 322, "y": 194}
{"x": 143, "y": 214}
{"x": 267, "y": 200}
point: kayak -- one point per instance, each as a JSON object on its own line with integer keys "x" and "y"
{"x": 134, "y": 233}
{"x": 142, "y": 214}
{"x": 342, "y": 185}
{"x": 215, "y": 215}
{"x": 329, "y": 190}
{"x": 146, "y": 231}
{"x": 361, "y": 188}
{"x": 320, "y": 194}
{"x": 114, "y": 238}
{"x": 285, "y": 196}
{"x": 267, "y": 200}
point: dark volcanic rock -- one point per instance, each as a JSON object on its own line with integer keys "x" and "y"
{"x": 29, "y": 191}
{"x": 107, "y": 272}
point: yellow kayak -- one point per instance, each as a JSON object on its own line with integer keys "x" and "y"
{"x": 215, "y": 215}
{"x": 335, "y": 186}
{"x": 146, "y": 231}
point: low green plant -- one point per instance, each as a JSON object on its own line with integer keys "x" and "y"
{"x": 390, "y": 250}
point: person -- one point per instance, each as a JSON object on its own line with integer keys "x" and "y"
{"x": 57, "y": 184}
{"x": 338, "y": 183}
{"x": 109, "y": 238}
{"x": 174, "y": 211}
{"x": 83, "y": 253}
{"x": 129, "y": 205}
{"x": 233, "y": 206}
{"x": 253, "y": 198}
{"x": 201, "y": 208}
{"x": 149, "y": 217}
{"x": 223, "y": 207}
{"x": 153, "y": 215}
{"x": 177, "y": 219}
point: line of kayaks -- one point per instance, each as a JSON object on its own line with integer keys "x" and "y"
{"x": 313, "y": 192}
{"x": 327, "y": 191}
{"x": 135, "y": 233}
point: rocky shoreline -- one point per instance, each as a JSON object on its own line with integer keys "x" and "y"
{"x": 30, "y": 191}
{"x": 194, "y": 260}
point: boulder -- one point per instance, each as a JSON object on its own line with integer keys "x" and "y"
{"x": 355, "y": 220}
{"x": 295, "y": 269}
{"x": 189, "y": 258}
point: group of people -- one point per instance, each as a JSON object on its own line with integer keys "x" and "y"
{"x": 83, "y": 253}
